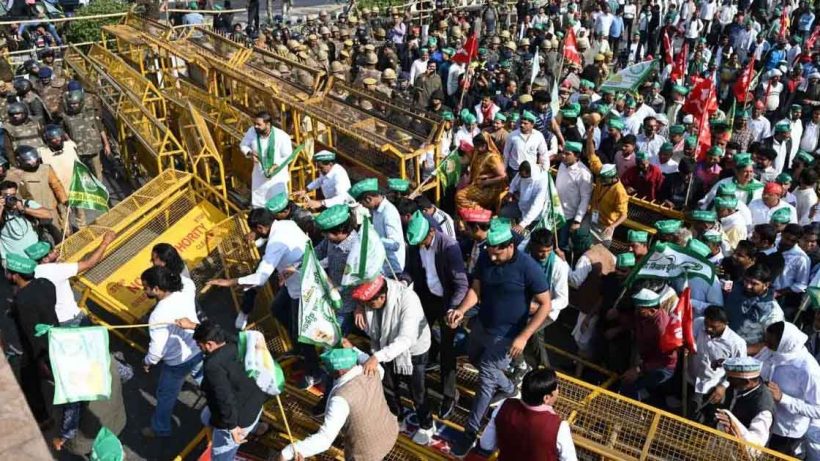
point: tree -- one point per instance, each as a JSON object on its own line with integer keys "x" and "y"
{"x": 80, "y": 31}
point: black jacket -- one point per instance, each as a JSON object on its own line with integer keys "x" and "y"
{"x": 233, "y": 398}
{"x": 35, "y": 304}
{"x": 449, "y": 268}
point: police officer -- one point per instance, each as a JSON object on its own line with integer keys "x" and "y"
{"x": 51, "y": 91}
{"x": 83, "y": 124}
{"x": 26, "y": 95}
{"x": 20, "y": 129}
{"x": 60, "y": 153}
{"x": 40, "y": 184}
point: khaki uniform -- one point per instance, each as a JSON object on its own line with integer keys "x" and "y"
{"x": 26, "y": 134}
{"x": 52, "y": 96}
{"x": 43, "y": 187}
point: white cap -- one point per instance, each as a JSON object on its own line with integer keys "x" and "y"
{"x": 688, "y": 118}
{"x": 775, "y": 73}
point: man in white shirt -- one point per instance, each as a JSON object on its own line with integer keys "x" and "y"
{"x": 649, "y": 141}
{"x": 357, "y": 404}
{"x": 749, "y": 398}
{"x": 519, "y": 427}
{"x": 574, "y": 186}
{"x": 169, "y": 344}
{"x": 603, "y": 22}
{"x": 715, "y": 342}
{"x": 271, "y": 151}
{"x": 526, "y": 144}
{"x": 811, "y": 132}
{"x": 528, "y": 190}
{"x": 60, "y": 274}
{"x": 386, "y": 222}
{"x": 763, "y": 208}
{"x": 419, "y": 66}
{"x": 760, "y": 125}
{"x": 791, "y": 284}
{"x": 333, "y": 181}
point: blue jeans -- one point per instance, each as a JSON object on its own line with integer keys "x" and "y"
{"x": 223, "y": 447}
{"x": 170, "y": 382}
{"x": 489, "y": 354}
{"x": 649, "y": 382}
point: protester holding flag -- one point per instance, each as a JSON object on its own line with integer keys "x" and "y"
{"x": 386, "y": 222}
{"x": 528, "y": 197}
{"x": 333, "y": 251}
{"x": 271, "y": 151}
{"x": 436, "y": 267}
{"x": 170, "y": 344}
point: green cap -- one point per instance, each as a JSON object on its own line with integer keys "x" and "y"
{"x": 641, "y": 155}
{"x": 340, "y": 359}
{"x": 782, "y": 127}
{"x": 617, "y": 124}
{"x": 703, "y": 216}
{"x": 447, "y": 116}
{"x": 569, "y": 113}
{"x": 432, "y": 41}
{"x": 726, "y": 203}
{"x": 573, "y": 146}
{"x": 365, "y": 185}
{"x": 646, "y": 298}
{"x": 500, "y": 232}
{"x": 781, "y": 216}
{"x": 667, "y": 147}
{"x": 417, "y": 228}
{"x": 718, "y": 124}
{"x": 677, "y": 129}
{"x": 587, "y": 84}
{"x": 324, "y": 156}
{"x": 727, "y": 189}
{"x": 515, "y": 116}
{"x": 796, "y": 108}
{"x": 635, "y": 236}
{"x": 20, "y": 264}
{"x": 742, "y": 114}
{"x": 690, "y": 141}
{"x": 715, "y": 151}
{"x": 609, "y": 170}
{"x": 448, "y": 50}
{"x": 468, "y": 118}
{"x": 680, "y": 89}
{"x": 668, "y": 226}
{"x": 277, "y": 203}
{"x": 398, "y": 184}
{"x": 783, "y": 178}
{"x": 332, "y": 217}
{"x": 712, "y": 236}
{"x": 38, "y": 250}
{"x": 742, "y": 160}
{"x": 626, "y": 260}
{"x": 804, "y": 157}
{"x": 700, "y": 248}
{"x": 527, "y": 115}
{"x": 500, "y": 117}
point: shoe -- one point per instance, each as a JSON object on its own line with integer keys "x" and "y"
{"x": 424, "y": 436}
{"x": 447, "y": 407}
{"x": 518, "y": 374}
{"x": 463, "y": 445}
{"x": 501, "y": 396}
{"x": 307, "y": 382}
{"x": 241, "y": 321}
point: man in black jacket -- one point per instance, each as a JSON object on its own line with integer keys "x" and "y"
{"x": 234, "y": 400}
{"x": 436, "y": 266}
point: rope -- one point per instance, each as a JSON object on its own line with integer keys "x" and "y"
{"x": 55, "y": 20}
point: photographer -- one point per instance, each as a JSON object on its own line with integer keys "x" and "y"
{"x": 17, "y": 228}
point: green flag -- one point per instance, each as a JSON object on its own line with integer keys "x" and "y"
{"x": 366, "y": 257}
{"x": 317, "y": 319}
{"x": 630, "y": 78}
{"x": 86, "y": 191}
{"x": 552, "y": 217}
{"x": 106, "y": 447}
{"x": 814, "y": 297}
{"x": 449, "y": 171}
{"x": 259, "y": 363}
{"x": 80, "y": 363}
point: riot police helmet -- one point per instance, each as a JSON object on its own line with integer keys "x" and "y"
{"x": 27, "y": 157}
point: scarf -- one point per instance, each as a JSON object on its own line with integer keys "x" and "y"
{"x": 547, "y": 266}
{"x": 385, "y": 331}
{"x": 267, "y": 158}
{"x": 748, "y": 188}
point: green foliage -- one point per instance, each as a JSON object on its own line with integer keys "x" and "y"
{"x": 91, "y": 30}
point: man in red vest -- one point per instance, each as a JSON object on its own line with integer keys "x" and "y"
{"x": 529, "y": 428}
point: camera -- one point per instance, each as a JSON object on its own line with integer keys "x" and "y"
{"x": 11, "y": 201}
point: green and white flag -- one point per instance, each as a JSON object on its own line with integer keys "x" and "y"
{"x": 317, "y": 316}
{"x": 668, "y": 261}
{"x": 366, "y": 258}
{"x": 87, "y": 191}
{"x": 553, "y": 216}
{"x": 536, "y": 67}
{"x": 449, "y": 171}
{"x": 814, "y": 297}
{"x": 106, "y": 447}
{"x": 630, "y": 78}
{"x": 80, "y": 363}
{"x": 259, "y": 363}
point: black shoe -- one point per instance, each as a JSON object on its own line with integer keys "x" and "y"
{"x": 501, "y": 396}
{"x": 463, "y": 445}
{"x": 447, "y": 406}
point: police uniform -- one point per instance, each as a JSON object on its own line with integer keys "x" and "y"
{"x": 85, "y": 129}
{"x": 26, "y": 133}
{"x": 43, "y": 186}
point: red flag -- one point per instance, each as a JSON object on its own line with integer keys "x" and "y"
{"x": 672, "y": 337}
{"x": 704, "y": 137}
{"x": 679, "y": 68}
{"x": 784, "y": 19}
{"x": 571, "y": 48}
{"x": 741, "y": 86}
{"x": 810, "y": 41}
{"x": 667, "y": 45}
{"x": 468, "y": 53}
{"x": 701, "y": 99}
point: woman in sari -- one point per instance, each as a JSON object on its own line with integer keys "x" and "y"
{"x": 488, "y": 177}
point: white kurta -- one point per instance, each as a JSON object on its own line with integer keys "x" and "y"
{"x": 334, "y": 185}
{"x": 262, "y": 187}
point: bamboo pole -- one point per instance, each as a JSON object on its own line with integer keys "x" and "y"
{"x": 285, "y": 420}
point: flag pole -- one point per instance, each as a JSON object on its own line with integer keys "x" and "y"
{"x": 433, "y": 174}
{"x": 684, "y": 385}
{"x": 65, "y": 231}
{"x": 285, "y": 420}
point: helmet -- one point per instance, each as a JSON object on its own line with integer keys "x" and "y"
{"x": 18, "y": 112}
{"x": 389, "y": 74}
{"x": 26, "y": 156}
{"x": 73, "y": 101}
{"x": 53, "y": 132}
{"x": 31, "y": 66}
{"x": 372, "y": 58}
{"x": 22, "y": 86}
